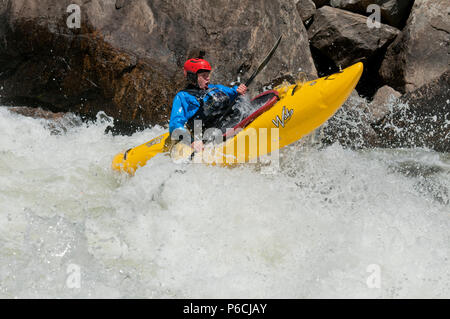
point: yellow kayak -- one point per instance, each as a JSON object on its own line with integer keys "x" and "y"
{"x": 301, "y": 108}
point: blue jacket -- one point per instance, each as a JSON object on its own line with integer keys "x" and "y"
{"x": 185, "y": 105}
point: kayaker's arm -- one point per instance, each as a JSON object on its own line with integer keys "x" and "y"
{"x": 178, "y": 115}
{"x": 178, "y": 119}
{"x": 232, "y": 92}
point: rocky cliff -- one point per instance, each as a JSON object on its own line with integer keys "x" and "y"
{"x": 126, "y": 58}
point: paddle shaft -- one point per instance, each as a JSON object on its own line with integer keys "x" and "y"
{"x": 263, "y": 63}
{"x": 255, "y": 73}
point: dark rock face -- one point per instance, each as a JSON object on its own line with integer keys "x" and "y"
{"x": 415, "y": 119}
{"x": 393, "y": 12}
{"x": 422, "y": 52}
{"x": 351, "y": 125}
{"x": 344, "y": 37}
{"x": 421, "y": 119}
{"x": 306, "y": 9}
{"x": 321, "y": 3}
{"x": 127, "y": 57}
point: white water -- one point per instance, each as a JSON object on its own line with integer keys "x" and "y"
{"x": 194, "y": 231}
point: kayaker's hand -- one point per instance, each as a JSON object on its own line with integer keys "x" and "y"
{"x": 197, "y": 146}
{"x": 242, "y": 89}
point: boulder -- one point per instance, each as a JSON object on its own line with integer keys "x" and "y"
{"x": 415, "y": 119}
{"x": 306, "y": 9}
{"x": 345, "y": 38}
{"x": 393, "y": 12}
{"x": 351, "y": 125}
{"x": 422, "y": 52}
{"x": 382, "y": 101}
{"x": 127, "y": 56}
{"x": 56, "y": 123}
{"x": 36, "y": 112}
{"x": 420, "y": 118}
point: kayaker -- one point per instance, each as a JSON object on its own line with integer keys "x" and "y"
{"x": 199, "y": 100}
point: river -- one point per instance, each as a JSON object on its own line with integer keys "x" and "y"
{"x": 331, "y": 222}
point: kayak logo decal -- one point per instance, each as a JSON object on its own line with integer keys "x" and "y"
{"x": 285, "y": 117}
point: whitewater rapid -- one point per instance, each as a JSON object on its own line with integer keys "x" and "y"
{"x": 332, "y": 222}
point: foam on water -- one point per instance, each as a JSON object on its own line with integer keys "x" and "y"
{"x": 311, "y": 230}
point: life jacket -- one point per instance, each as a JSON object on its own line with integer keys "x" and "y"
{"x": 210, "y": 110}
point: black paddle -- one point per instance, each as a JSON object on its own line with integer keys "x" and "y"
{"x": 263, "y": 63}
{"x": 250, "y": 80}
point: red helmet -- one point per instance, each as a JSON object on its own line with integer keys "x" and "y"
{"x": 196, "y": 65}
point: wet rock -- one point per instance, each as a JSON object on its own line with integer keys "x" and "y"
{"x": 36, "y": 112}
{"x": 420, "y": 118}
{"x": 351, "y": 125}
{"x": 47, "y": 64}
{"x": 57, "y": 123}
{"x": 416, "y": 119}
{"x": 393, "y": 12}
{"x": 385, "y": 97}
{"x": 422, "y": 52}
{"x": 345, "y": 38}
{"x": 306, "y": 9}
{"x": 126, "y": 58}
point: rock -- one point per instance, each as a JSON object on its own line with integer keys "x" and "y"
{"x": 331, "y": 34}
{"x": 422, "y": 52}
{"x": 351, "y": 125}
{"x": 306, "y": 9}
{"x": 36, "y": 112}
{"x": 420, "y": 118}
{"x": 415, "y": 119}
{"x": 385, "y": 97}
{"x": 393, "y": 12}
{"x": 126, "y": 58}
{"x": 56, "y": 123}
